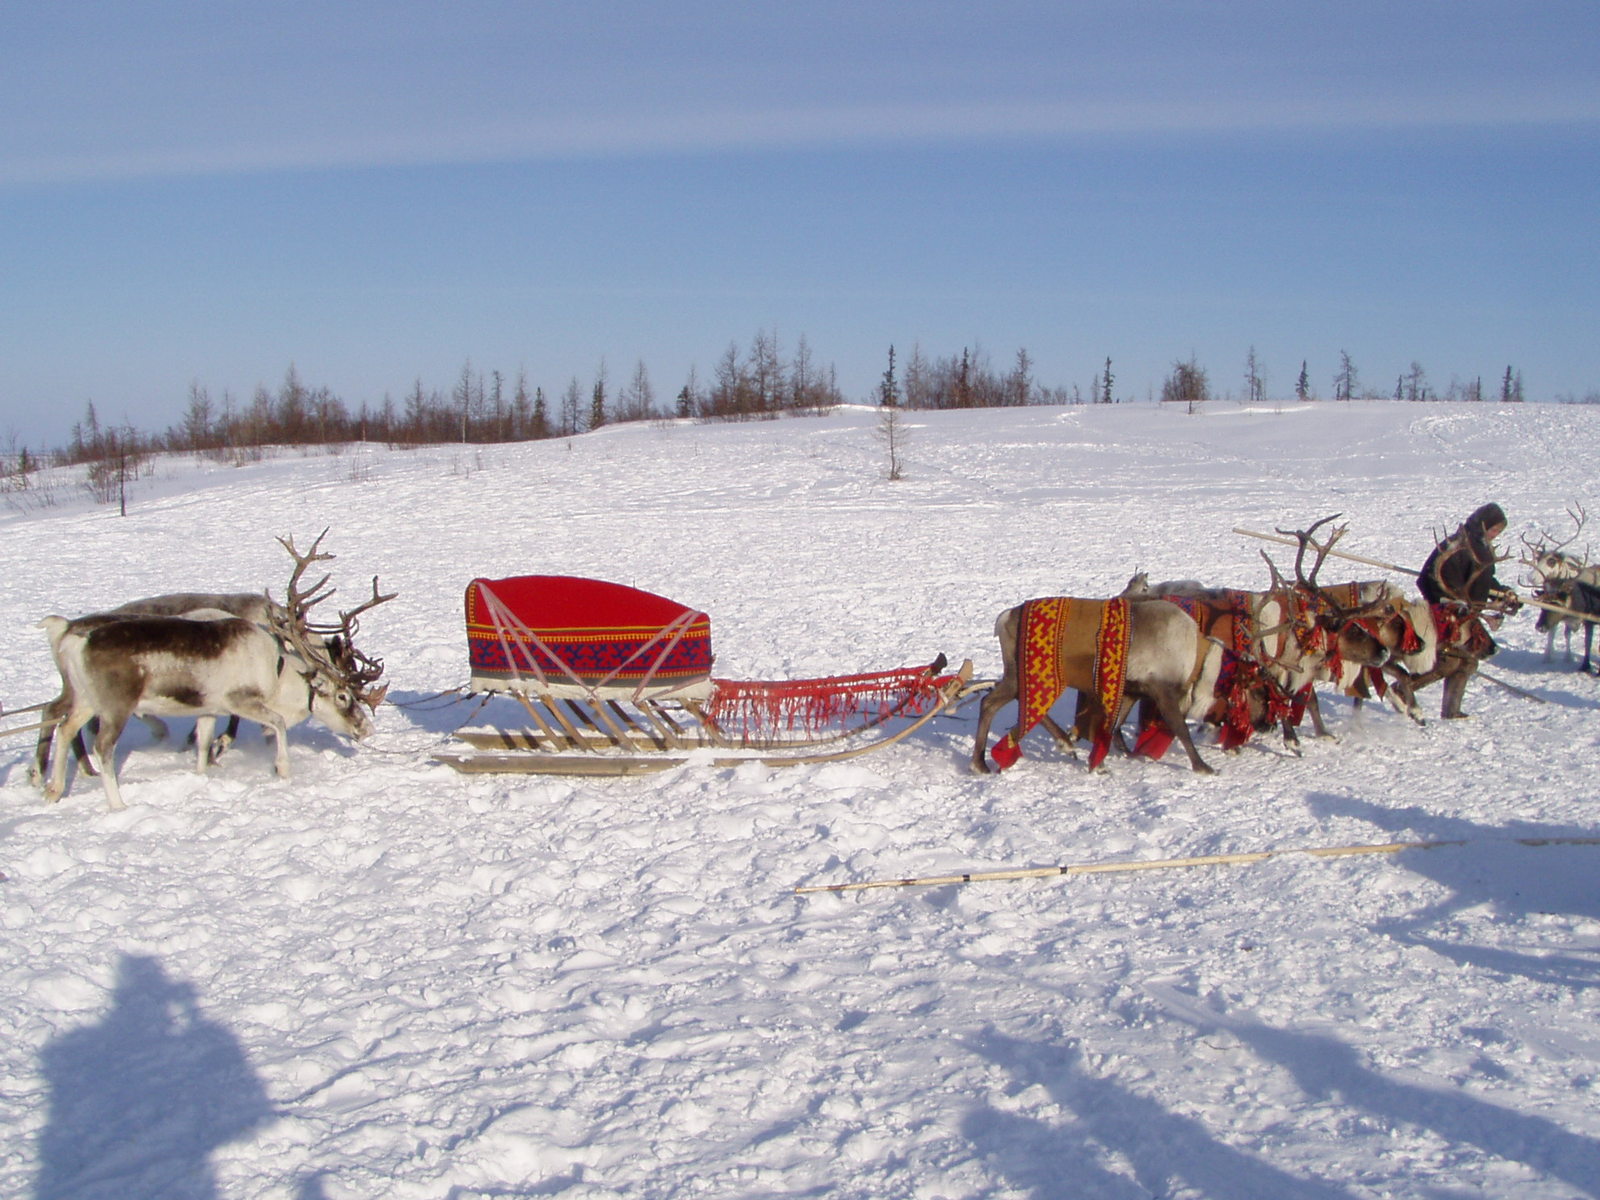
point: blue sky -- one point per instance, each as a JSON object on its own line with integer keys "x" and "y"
{"x": 376, "y": 193}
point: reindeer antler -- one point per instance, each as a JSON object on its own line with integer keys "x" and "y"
{"x": 298, "y": 602}
{"x": 328, "y": 649}
{"x": 362, "y": 671}
{"x": 1303, "y": 536}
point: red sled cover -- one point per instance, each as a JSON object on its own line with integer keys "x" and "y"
{"x": 535, "y": 631}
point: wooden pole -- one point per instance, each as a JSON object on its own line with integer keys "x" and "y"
{"x": 1167, "y": 864}
{"x": 1320, "y": 549}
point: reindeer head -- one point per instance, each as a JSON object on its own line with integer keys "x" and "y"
{"x": 1546, "y": 558}
{"x": 342, "y": 676}
{"x": 1353, "y": 629}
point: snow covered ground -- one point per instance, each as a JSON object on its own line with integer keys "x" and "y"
{"x": 383, "y": 978}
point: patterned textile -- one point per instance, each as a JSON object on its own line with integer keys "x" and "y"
{"x": 1461, "y": 629}
{"x": 1067, "y": 643}
{"x": 562, "y": 629}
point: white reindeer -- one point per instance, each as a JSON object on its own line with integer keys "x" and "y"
{"x": 174, "y": 666}
{"x": 208, "y": 663}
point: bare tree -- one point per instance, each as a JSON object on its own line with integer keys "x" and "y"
{"x": 918, "y": 384}
{"x": 765, "y": 372}
{"x": 893, "y": 434}
{"x": 571, "y": 408}
{"x": 196, "y": 433}
{"x": 1186, "y": 385}
{"x": 1344, "y": 382}
{"x": 1020, "y": 385}
{"x": 1255, "y": 384}
{"x": 637, "y": 399}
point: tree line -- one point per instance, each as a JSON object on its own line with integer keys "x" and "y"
{"x": 750, "y": 382}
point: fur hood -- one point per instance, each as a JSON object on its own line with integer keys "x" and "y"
{"x": 1486, "y": 518}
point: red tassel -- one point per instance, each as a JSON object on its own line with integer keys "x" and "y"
{"x": 1154, "y": 740}
{"x": 1297, "y": 711}
{"x": 1006, "y": 751}
{"x": 1099, "y": 749}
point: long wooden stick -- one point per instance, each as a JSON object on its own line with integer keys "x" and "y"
{"x": 1320, "y": 549}
{"x": 1167, "y": 864}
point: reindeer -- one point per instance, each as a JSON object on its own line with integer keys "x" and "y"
{"x": 1549, "y": 567}
{"x": 1168, "y": 663}
{"x": 115, "y": 667}
{"x": 1246, "y": 697}
{"x": 1406, "y": 628}
{"x": 252, "y": 606}
{"x": 1295, "y": 633}
{"x": 1315, "y": 633}
{"x": 1580, "y": 597}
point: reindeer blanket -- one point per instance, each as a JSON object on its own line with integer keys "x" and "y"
{"x": 1067, "y": 643}
{"x": 1233, "y": 623}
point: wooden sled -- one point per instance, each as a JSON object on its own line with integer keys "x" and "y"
{"x": 615, "y": 681}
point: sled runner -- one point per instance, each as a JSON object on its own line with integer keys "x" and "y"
{"x": 614, "y": 680}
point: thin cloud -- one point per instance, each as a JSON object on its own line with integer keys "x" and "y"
{"x": 638, "y": 134}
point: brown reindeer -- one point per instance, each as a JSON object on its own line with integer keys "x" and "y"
{"x": 1167, "y": 663}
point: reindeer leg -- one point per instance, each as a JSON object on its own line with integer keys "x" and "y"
{"x": 999, "y": 696}
{"x": 229, "y": 735}
{"x": 1455, "y": 689}
{"x": 204, "y": 729}
{"x": 1402, "y": 692}
{"x": 105, "y": 748}
{"x": 1064, "y": 736}
{"x": 39, "y": 769}
{"x": 1171, "y": 710}
{"x": 65, "y": 734}
{"x": 1314, "y": 708}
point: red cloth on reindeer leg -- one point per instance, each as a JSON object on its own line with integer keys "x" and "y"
{"x": 1062, "y": 640}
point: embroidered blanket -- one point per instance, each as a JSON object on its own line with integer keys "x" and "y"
{"x": 1068, "y": 643}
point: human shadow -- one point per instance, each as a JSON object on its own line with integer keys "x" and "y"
{"x": 139, "y": 1101}
{"x": 1519, "y": 870}
{"x": 1161, "y": 1149}
{"x": 1328, "y": 1070}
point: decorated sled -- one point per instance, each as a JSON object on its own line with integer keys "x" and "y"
{"x": 614, "y": 680}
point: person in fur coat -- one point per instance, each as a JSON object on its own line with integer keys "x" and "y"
{"x": 1459, "y": 581}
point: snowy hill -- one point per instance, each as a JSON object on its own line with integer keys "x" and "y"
{"x": 382, "y": 978}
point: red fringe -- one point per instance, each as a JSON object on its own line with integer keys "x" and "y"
{"x": 755, "y": 709}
